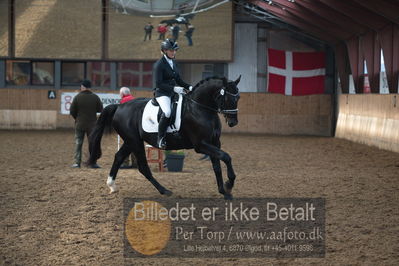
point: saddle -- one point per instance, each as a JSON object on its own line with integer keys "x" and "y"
{"x": 152, "y": 113}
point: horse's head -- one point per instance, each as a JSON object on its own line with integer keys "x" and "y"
{"x": 228, "y": 101}
{"x": 218, "y": 95}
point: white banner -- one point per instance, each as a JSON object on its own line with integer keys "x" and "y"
{"x": 67, "y": 98}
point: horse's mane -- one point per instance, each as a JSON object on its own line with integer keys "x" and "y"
{"x": 210, "y": 81}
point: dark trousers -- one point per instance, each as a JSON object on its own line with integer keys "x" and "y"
{"x": 79, "y": 137}
{"x": 147, "y": 34}
{"x": 161, "y": 36}
{"x": 190, "y": 41}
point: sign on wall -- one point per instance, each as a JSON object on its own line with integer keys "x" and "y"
{"x": 51, "y": 94}
{"x": 106, "y": 99}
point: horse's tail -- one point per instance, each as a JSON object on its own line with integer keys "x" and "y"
{"x": 103, "y": 122}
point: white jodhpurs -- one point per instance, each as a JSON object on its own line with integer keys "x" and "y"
{"x": 164, "y": 103}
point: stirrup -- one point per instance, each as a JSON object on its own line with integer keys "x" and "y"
{"x": 161, "y": 143}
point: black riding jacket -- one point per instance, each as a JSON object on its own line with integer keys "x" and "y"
{"x": 167, "y": 78}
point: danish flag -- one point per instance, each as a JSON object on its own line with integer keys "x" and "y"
{"x": 296, "y": 73}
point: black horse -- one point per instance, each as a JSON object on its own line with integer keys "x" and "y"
{"x": 200, "y": 129}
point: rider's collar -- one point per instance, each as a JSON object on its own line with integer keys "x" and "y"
{"x": 169, "y": 60}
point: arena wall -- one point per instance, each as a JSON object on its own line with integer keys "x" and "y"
{"x": 258, "y": 112}
{"x": 284, "y": 115}
{"x": 369, "y": 119}
{"x": 31, "y": 109}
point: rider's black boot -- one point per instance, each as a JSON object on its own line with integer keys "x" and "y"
{"x": 162, "y": 127}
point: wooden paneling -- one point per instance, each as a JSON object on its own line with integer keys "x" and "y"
{"x": 28, "y": 119}
{"x": 284, "y": 115}
{"x": 369, "y": 119}
{"x": 146, "y": 94}
{"x": 26, "y": 99}
{"x": 258, "y": 112}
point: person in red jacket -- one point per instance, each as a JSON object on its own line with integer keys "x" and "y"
{"x": 126, "y": 96}
{"x": 162, "y": 29}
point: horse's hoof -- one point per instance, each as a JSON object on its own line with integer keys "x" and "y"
{"x": 227, "y": 188}
{"x": 111, "y": 185}
{"x": 228, "y": 197}
{"x": 167, "y": 193}
{"x": 113, "y": 189}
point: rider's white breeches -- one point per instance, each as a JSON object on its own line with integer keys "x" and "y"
{"x": 164, "y": 103}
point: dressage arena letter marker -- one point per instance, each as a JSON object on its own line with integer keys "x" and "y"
{"x": 51, "y": 94}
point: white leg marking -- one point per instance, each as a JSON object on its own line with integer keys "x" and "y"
{"x": 111, "y": 184}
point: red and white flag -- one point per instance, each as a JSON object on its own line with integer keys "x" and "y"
{"x": 296, "y": 73}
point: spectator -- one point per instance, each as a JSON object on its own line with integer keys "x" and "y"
{"x": 175, "y": 31}
{"x": 83, "y": 109}
{"x": 126, "y": 96}
{"x": 189, "y": 34}
{"x": 148, "y": 30}
{"x": 162, "y": 29}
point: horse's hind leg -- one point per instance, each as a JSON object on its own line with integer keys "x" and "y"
{"x": 144, "y": 169}
{"x": 120, "y": 156}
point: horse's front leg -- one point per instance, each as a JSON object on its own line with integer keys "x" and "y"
{"x": 218, "y": 154}
{"x": 228, "y": 186}
{"x": 218, "y": 174}
{"x": 120, "y": 156}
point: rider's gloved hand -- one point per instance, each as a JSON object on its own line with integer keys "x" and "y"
{"x": 178, "y": 89}
{"x": 190, "y": 88}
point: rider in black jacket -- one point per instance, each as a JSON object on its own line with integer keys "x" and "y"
{"x": 167, "y": 81}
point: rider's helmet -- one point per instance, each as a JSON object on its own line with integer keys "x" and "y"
{"x": 169, "y": 44}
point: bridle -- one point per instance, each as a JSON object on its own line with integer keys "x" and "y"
{"x": 220, "y": 109}
{"x": 229, "y": 111}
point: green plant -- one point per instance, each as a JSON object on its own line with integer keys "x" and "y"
{"x": 175, "y": 152}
